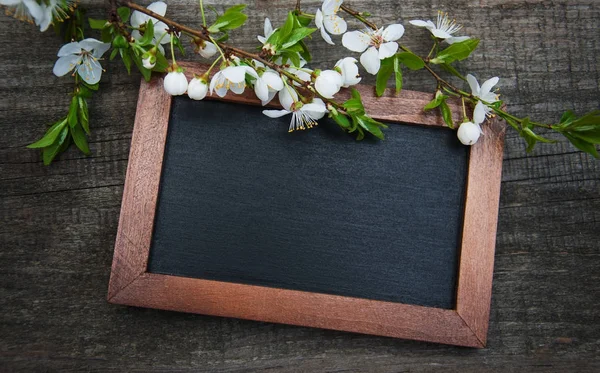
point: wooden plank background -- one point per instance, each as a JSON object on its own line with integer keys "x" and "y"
{"x": 58, "y": 223}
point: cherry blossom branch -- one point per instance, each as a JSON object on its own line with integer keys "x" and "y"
{"x": 204, "y": 34}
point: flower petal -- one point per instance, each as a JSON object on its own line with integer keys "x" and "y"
{"x": 487, "y": 86}
{"x": 440, "y": 33}
{"x": 326, "y": 36}
{"x": 216, "y": 80}
{"x": 418, "y": 23}
{"x": 473, "y": 84}
{"x": 67, "y": 49}
{"x": 234, "y": 74}
{"x": 370, "y": 60}
{"x": 387, "y": 49}
{"x": 90, "y": 70}
{"x": 160, "y": 29}
{"x": 479, "y": 113}
{"x": 158, "y": 7}
{"x": 275, "y": 113}
{"x": 262, "y": 39}
{"x": 393, "y": 32}
{"x": 273, "y": 80}
{"x": 269, "y": 97}
{"x": 261, "y": 90}
{"x": 138, "y": 19}
{"x": 319, "y": 19}
{"x": 456, "y": 39}
{"x": 36, "y": 11}
{"x": 335, "y": 25}
{"x": 356, "y": 41}
{"x": 66, "y": 64}
{"x": 238, "y": 88}
{"x": 268, "y": 28}
{"x": 315, "y": 110}
{"x": 287, "y": 97}
{"x": 331, "y": 6}
{"x": 250, "y": 71}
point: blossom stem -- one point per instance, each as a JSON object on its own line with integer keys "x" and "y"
{"x": 202, "y": 12}
{"x": 465, "y": 118}
{"x": 173, "y": 50}
{"x": 213, "y": 64}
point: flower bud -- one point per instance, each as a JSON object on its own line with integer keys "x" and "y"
{"x": 197, "y": 88}
{"x": 149, "y": 61}
{"x": 328, "y": 83}
{"x": 175, "y": 83}
{"x": 468, "y": 133}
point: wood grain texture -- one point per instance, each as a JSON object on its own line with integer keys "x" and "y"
{"x": 59, "y": 223}
{"x": 131, "y": 285}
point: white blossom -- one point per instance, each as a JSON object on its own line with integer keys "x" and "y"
{"x": 268, "y": 31}
{"x": 198, "y": 88}
{"x": 24, "y": 10}
{"x": 327, "y": 20}
{"x": 175, "y": 83}
{"x": 149, "y": 61}
{"x": 376, "y": 45}
{"x": 484, "y": 93}
{"x": 328, "y": 83}
{"x": 206, "y": 49}
{"x": 468, "y": 133}
{"x": 81, "y": 56}
{"x": 303, "y": 115}
{"x": 231, "y": 78}
{"x": 443, "y": 29}
{"x": 160, "y": 28}
{"x": 267, "y": 85}
{"x": 349, "y": 70}
{"x": 55, "y": 10}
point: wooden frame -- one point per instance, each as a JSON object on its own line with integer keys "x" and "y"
{"x": 466, "y": 325}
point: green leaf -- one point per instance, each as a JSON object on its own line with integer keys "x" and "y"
{"x": 148, "y": 35}
{"x": 73, "y": 108}
{"x": 449, "y": 68}
{"x": 147, "y": 74}
{"x": 126, "y": 59}
{"x": 341, "y": 120}
{"x": 446, "y": 113}
{"x": 530, "y": 133}
{"x": 354, "y": 105}
{"x": 292, "y": 56}
{"x": 80, "y": 139}
{"x": 84, "y": 116}
{"x": 107, "y": 34}
{"x": 398, "y": 75}
{"x": 93, "y": 87}
{"x": 177, "y": 43}
{"x": 305, "y": 51}
{"x": 161, "y": 63}
{"x": 384, "y": 74}
{"x": 303, "y": 21}
{"x": 582, "y": 145}
{"x": 591, "y": 135}
{"x": 50, "y": 136}
{"x": 124, "y": 12}
{"x": 456, "y": 52}
{"x": 370, "y": 125}
{"x": 437, "y": 101}
{"x": 113, "y": 54}
{"x": 97, "y": 24}
{"x": 231, "y": 19}
{"x": 297, "y": 35}
{"x": 568, "y": 116}
{"x": 410, "y": 60}
{"x": 288, "y": 26}
{"x": 50, "y": 152}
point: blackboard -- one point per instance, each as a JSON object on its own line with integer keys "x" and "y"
{"x": 242, "y": 200}
{"x": 225, "y": 213}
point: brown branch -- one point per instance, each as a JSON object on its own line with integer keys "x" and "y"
{"x": 227, "y": 49}
{"x": 358, "y": 16}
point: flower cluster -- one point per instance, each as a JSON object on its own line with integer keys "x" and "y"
{"x": 146, "y": 39}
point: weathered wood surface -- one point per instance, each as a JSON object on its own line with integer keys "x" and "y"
{"x": 59, "y": 222}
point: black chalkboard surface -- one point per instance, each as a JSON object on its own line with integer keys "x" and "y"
{"x": 243, "y": 201}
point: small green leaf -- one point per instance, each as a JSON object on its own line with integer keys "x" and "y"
{"x": 124, "y": 12}
{"x": 148, "y": 36}
{"x": 530, "y": 133}
{"x": 97, "y": 24}
{"x": 568, "y": 116}
{"x": 303, "y": 21}
{"x": 398, "y": 75}
{"x": 370, "y": 125}
{"x": 147, "y": 74}
{"x": 384, "y": 74}
{"x": 107, "y": 33}
{"x": 73, "y": 108}
{"x": 231, "y": 19}
{"x": 80, "y": 139}
{"x": 113, "y": 54}
{"x": 50, "y": 152}
{"x": 354, "y": 106}
{"x": 341, "y": 120}
{"x": 437, "y": 101}
{"x": 446, "y": 113}
{"x": 84, "y": 116}
{"x": 582, "y": 145}
{"x": 50, "y": 136}
{"x": 126, "y": 59}
{"x": 411, "y": 60}
{"x": 297, "y": 35}
{"x": 288, "y": 26}
{"x": 456, "y": 52}
{"x": 161, "y": 63}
